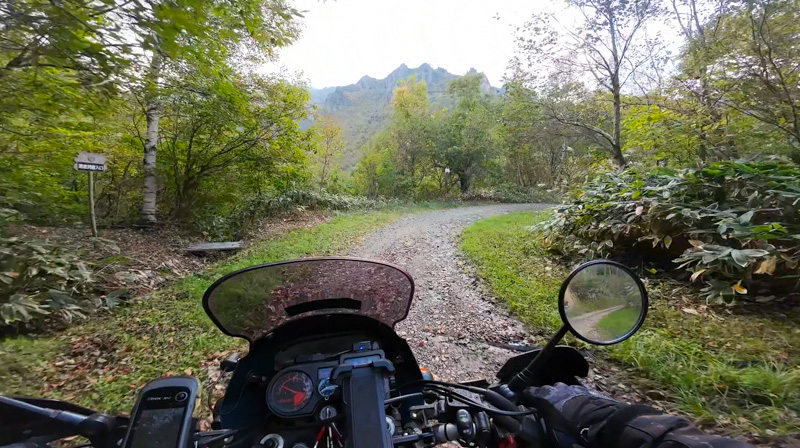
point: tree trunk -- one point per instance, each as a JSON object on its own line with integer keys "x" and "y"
{"x": 152, "y": 116}
{"x": 185, "y": 199}
{"x": 616, "y": 145}
{"x": 464, "y": 181}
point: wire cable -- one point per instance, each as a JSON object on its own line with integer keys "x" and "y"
{"x": 404, "y": 397}
{"x": 468, "y": 401}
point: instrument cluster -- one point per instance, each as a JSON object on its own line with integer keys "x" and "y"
{"x": 297, "y": 390}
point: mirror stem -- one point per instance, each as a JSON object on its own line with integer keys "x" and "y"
{"x": 527, "y": 375}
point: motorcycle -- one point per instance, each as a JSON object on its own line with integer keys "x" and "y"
{"x": 326, "y": 369}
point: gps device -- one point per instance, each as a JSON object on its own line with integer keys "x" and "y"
{"x": 162, "y": 415}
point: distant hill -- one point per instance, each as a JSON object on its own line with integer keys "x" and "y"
{"x": 363, "y": 109}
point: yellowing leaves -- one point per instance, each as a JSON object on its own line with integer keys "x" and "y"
{"x": 767, "y": 266}
{"x": 698, "y": 273}
{"x": 739, "y": 288}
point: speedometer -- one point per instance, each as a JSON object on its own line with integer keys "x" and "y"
{"x": 290, "y": 392}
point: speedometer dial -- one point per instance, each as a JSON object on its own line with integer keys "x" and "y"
{"x": 290, "y": 392}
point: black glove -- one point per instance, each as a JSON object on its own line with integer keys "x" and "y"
{"x": 577, "y": 415}
{"x": 570, "y": 412}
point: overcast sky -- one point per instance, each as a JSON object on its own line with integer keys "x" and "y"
{"x": 344, "y": 40}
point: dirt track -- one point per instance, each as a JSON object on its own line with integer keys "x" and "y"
{"x": 588, "y": 324}
{"x": 452, "y": 323}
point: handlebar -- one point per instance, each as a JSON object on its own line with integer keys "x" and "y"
{"x": 449, "y": 412}
{"x": 69, "y": 418}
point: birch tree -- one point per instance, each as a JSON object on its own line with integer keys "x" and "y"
{"x": 605, "y": 47}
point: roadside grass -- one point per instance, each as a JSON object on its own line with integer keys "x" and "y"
{"x": 506, "y": 255}
{"x": 619, "y": 322}
{"x": 101, "y": 362}
{"x": 724, "y": 366}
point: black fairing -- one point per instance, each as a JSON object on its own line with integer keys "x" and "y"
{"x": 565, "y": 365}
{"x": 244, "y": 402}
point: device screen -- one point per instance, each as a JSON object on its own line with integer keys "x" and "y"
{"x": 160, "y": 418}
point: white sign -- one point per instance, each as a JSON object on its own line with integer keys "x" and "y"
{"x": 89, "y": 161}
{"x": 88, "y": 167}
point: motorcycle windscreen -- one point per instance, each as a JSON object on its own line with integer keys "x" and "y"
{"x": 252, "y": 302}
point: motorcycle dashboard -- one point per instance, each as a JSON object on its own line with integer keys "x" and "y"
{"x": 300, "y": 390}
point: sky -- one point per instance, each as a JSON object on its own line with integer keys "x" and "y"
{"x": 344, "y": 40}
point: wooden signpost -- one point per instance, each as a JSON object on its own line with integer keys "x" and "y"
{"x": 90, "y": 162}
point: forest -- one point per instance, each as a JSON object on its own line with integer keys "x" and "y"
{"x": 615, "y": 107}
{"x": 664, "y": 134}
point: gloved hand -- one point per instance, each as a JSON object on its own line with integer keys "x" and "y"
{"x": 571, "y": 412}
{"x": 581, "y": 406}
{"x": 576, "y": 415}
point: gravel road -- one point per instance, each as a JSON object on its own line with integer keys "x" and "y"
{"x": 453, "y": 323}
{"x": 588, "y": 324}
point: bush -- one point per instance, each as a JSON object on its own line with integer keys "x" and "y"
{"x": 733, "y": 225}
{"x": 514, "y": 194}
{"x": 262, "y": 206}
{"x": 39, "y": 280}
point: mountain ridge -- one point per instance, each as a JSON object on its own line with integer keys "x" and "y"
{"x": 363, "y": 109}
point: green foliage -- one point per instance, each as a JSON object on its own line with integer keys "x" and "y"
{"x": 618, "y": 322}
{"x": 756, "y": 55}
{"x": 364, "y": 110}
{"x": 261, "y": 206}
{"x": 424, "y": 154}
{"x": 39, "y": 280}
{"x": 515, "y": 194}
{"x": 735, "y": 369}
{"x": 80, "y": 77}
{"x": 733, "y": 224}
{"x": 327, "y": 152}
{"x": 659, "y": 136}
{"x": 231, "y": 138}
{"x": 536, "y": 150}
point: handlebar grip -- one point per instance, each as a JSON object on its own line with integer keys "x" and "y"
{"x": 67, "y": 417}
{"x": 508, "y": 423}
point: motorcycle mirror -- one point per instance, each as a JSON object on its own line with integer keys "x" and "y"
{"x": 602, "y": 302}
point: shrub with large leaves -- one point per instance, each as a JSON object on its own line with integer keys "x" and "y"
{"x": 38, "y": 279}
{"x": 733, "y": 225}
{"x": 265, "y": 206}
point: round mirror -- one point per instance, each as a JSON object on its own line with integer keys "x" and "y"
{"x": 603, "y": 302}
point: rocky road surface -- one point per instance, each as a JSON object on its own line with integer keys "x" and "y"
{"x": 454, "y": 328}
{"x": 588, "y": 324}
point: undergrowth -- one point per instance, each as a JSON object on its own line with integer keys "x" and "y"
{"x": 732, "y": 225}
{"x": 101, "y": 363}
{"x": 734, "y": 367}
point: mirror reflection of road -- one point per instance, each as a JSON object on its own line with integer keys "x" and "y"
{"x": 588, "y": 324}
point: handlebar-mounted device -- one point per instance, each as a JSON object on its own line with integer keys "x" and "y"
{"x": 363, "y": 376}
{"x": 162, "y": 415}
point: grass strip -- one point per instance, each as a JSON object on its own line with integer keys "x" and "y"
{"x": 731, "y": 369}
